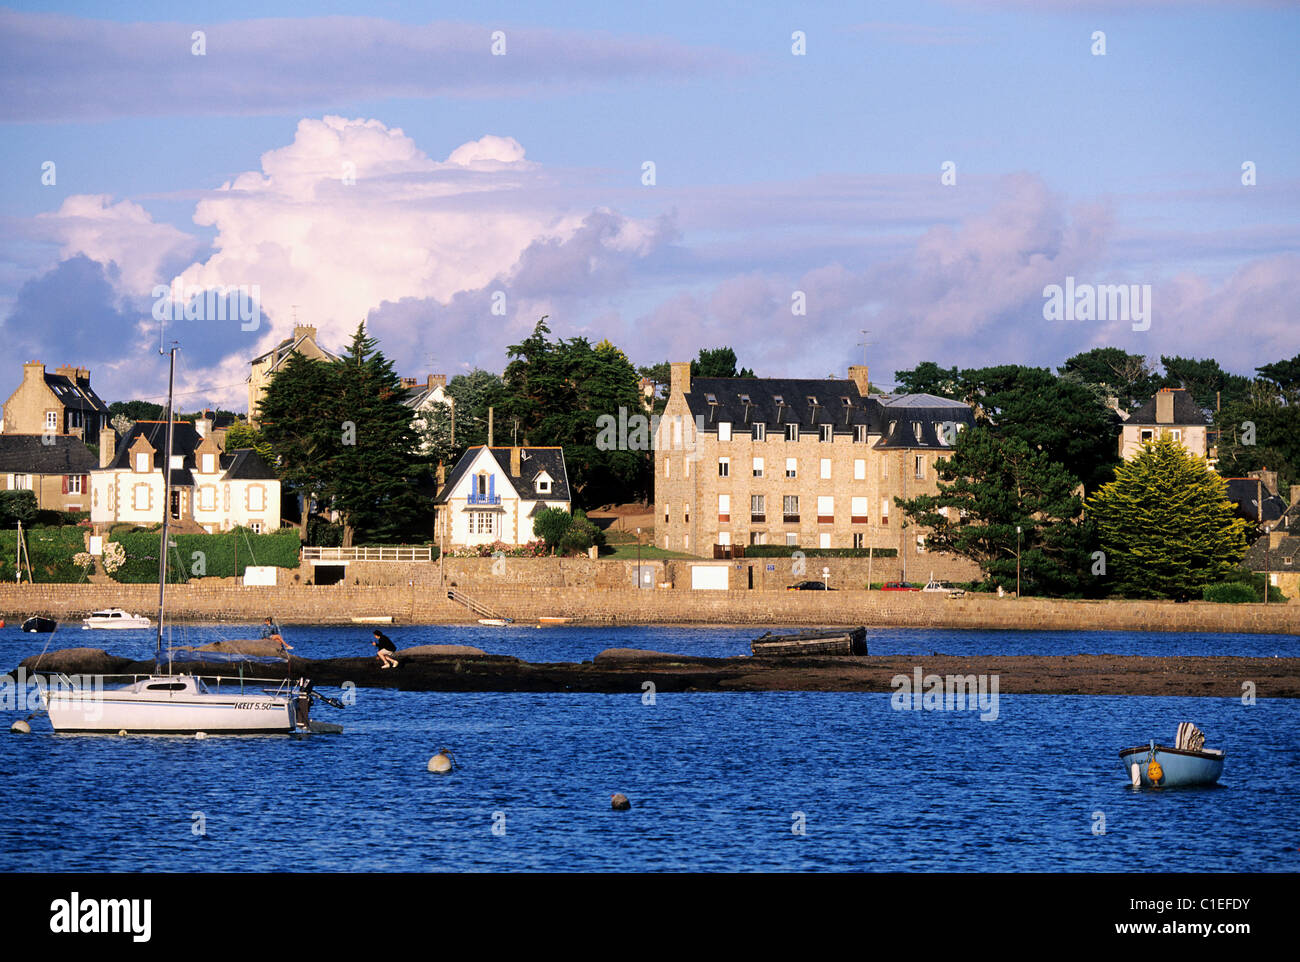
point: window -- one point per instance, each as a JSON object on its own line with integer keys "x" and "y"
{"x": 141, "y": 497}
{"x": 828, "y": 433}
{"x": 724, "y": 467}
{"x": 1177, "y": 434}
{"x": 860, "y": 433}
{"x": 665, "y": 514}
{"x": 481, "y": 485}
{"x": 825, "y": 509}
{"x": 51, "y": 420}
{"x": 824, "y": 539}
{"x": 256, "y": 498}
{"x": 142, "y": 462}
{"x": 858, "y": 511}
{"x": 74, "y": 418}
{"x": 826, "y": 468}
{"x": 1146, "y": 434}
{"x": 758, "y": 537}
{"x": 724, "y": 508}
{"x": 919, "y": 462}
{"x": 790, "y": 507}
{"x": 20, "y": 482}
{"x": 668, "y": 467}
{"x": 916, "y": 431}
{"x": 687, "y": 512}
{"x": 724, "y": 430}
{"x": 686, "y": 542}
{"x": 207, "y": 498}
{"x": 792, "y": 467}
{"x": 760, "y": 432}
{"x": 724, "y": 537}
{"x": 859, "y": 540}
{"x": 859, "y": 469}
{"x": 482, "y": 522}
{"x": 757, "y": 514}
{"x": 792, "y": 432}
{"x": 791, "y": 539}
{"x": 543, "y": 485}
{"x": 74, "y": 484}
{"x": 758, "y": 467}
{"x": 884, "y": 511}
{"x": 208, "y": 464}
{"x": 256, "y": 526}
{"x": 178, "y": 462}
{"x": 884, "y": 467}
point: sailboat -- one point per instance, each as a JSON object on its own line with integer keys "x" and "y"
{"x": 165, "y": 703}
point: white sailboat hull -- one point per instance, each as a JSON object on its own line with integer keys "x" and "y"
{"x": 157, "y": 713}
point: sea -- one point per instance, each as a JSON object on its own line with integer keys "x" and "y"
{"x": 745, "y": 782}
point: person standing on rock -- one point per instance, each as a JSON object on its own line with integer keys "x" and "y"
{"x": 384, "y": 649}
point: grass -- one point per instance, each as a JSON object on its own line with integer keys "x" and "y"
{"x": 627, "y": 552}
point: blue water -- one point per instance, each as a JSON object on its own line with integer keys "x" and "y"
{"x": 580, "y": 643}
{"x": 715, "y": 780}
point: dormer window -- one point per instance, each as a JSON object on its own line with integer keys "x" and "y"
{"x": 543, "y": 485}
{"x": 724, "y": 430}
{"x": 178, "y": 462}
{"x": 916, "y": 430}
{"x": 209, "y": 464}
{"x": 142, "y": 462}
{"x": 711, "y": 398}
{"x": 744, "y": 399}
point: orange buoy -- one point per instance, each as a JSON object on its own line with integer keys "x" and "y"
{"x": 1155, "y": 772}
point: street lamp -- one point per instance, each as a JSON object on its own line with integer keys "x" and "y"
{"x": 638, "y": 558}
{"x": 826, "y": 577}
{"x": 1017, "y": 562}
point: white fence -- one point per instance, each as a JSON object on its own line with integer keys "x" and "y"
{"x": 397, "y": 552}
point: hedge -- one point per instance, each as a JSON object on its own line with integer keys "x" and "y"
{"x": 786, "y": 551}
{"x": 51, "y": 550}
{"x": 1241, "y": 592}
{"x": 222, "y": 555}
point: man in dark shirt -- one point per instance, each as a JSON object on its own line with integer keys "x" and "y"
{"x": 272, "y": 631}
{"x": 384, "y": 649}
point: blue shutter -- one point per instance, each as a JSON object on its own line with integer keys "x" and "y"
{"x": 492, "y": 487}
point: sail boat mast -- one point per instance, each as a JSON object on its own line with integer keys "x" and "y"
{"x": 167, "y": 510}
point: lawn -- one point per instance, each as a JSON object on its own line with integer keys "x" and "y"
{"x": 627, "y": 552}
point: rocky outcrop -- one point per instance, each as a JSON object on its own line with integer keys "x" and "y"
{"x": 417, "y": 650}
{"x": 81, "y": 661}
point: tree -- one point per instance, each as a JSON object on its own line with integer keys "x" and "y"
{"x": 717, "y": 362}
{"x": 137, "y": 410}
{"x": 1261, "y": 431}
{"x": 1166, "y": 525}
{"x": 1207, "y": 383}
{"x": 17, "y": 506}
{"x": 1128, "y": 377}
{"x": 551, "y": 525}
{"x": 991, "y": 485}
{"x": 241, "y": 435}
{"x": 929, "y": 378}
{"x": 473, "y": 394}
{"x": 1284, "y": 374}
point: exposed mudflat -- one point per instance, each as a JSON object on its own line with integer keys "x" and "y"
{"x": 624, "y": 670}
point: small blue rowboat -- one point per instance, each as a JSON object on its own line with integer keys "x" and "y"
{"x": 1173, "y": 767}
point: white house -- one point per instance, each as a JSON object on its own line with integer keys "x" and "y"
{"x": 493, "y": 494}
{"x": 211, "y": 490}
{"x": 423, "y": 399}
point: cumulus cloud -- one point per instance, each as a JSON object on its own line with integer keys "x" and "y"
{"x": 101, "y": 69}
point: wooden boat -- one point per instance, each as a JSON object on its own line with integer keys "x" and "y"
{"x": 546, "y": 620}
{"x": 1159, "y": 766}
{"x": 39, "y": 624}
{"x": 372, "y": 620}
{"x": 835, "y": 641}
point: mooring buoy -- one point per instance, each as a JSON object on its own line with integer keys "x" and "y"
{"x": 200, "y": 734}
{"x": 441, "y": 762}
{"x": 123, "y": 731}
{"x": 20, "y": 727}
{"x": 619, "y": 803}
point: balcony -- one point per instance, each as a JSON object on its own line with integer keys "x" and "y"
{"x": 728, "y": 551}
{"x": 476, "y": 498}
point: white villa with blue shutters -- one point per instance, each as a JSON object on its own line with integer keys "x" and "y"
{"x": 493, "y": 494}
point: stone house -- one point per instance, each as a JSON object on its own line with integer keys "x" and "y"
{"x": 800, "y": 463}
{"x": 56, "y": 468}
{"x": 62, "y": 403}
{"x": 212, "y": 490}
{"x": 493, "y": 494}
{"x": 263, "y": 367}
{"x": 1172, "y": 413}
{"x": 1276, "y": 554}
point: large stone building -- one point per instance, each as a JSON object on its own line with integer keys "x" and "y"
{"x": 263, "y": 367}
{"x": 1171, "y": 413}
{"x": 61, "y": 403}
{"x": 801, "y": 463}
{"x": 56, "y": 469}
{"x": 212, "y": 490}
{"x": 493, "y": 494}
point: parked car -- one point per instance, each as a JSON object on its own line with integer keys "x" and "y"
{"x": 899, "y": 586}
{"x": 810, "y": 586}
{"x": 933, "y": 585}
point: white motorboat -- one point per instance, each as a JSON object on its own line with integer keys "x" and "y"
{"x": 114, "y": 618}
{"x": 169, "y": 703}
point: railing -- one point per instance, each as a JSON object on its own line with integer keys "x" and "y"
{"x": 395, "y": 552}
{"x": 725, "y": 551}
{"x": 476, "y": 498}
{"x": 475, "y": 606}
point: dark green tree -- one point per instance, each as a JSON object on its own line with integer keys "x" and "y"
{"x": 1166, "y": 525}
{"x": 1128, "y": 377}
{"x": 551, "y": 525}
{"x": 991, "y": 485}
{"x": 718, "y": 362}
{"x": 1207, "y": 383}
{"x": 929, "y": 378}
{"x": 137, "y": 410}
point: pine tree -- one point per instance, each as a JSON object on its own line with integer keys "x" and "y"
{"x": 1166, "y": 525}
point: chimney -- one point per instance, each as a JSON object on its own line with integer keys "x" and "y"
{"x": 202, "y": 426}
{"x": 83, "y": 376}
{"x": 442, "y": 475}
{"x": 107, "y": 446}
{"x": 304, "y": 330}
{"x": 1267, "y": 478}
{"x": 68, "y": 371}
{"x": 679, "y": 379}
{"x": 36, "y": 368}
{"x": 515, "y": 467}
{"x": 1165, "y": 406}
{"x": 489, "y": 432}
{"x": 1275, "y": 539}
{"x": 1295, "y": 493}
{"x": 858, "y": 375}
{"x": 408, "y": 382}
{"x": 436, "y": 380}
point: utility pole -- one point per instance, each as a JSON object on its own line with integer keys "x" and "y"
{"x": 1017, "y": 562}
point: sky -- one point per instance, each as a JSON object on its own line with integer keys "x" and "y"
{"x": 670, "y": 176}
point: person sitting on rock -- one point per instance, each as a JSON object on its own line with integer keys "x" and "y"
{"x": 272, "y": 631}
{"x": 384, "y": 649}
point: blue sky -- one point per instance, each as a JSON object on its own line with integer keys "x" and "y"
{"x": 775, "y": 173}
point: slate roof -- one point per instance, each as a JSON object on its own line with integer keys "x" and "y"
{"x": 27, "y": 454}
{"x": 1285, "y": 557}
{"x": 776, "y": 402}
{"x": 73, "y": 395}
{"x": 243, "y": 464}
{"x": 533, "y": 461}
{"x": 285, "y": 348}
{"x": 1244, "y": 494}
{"x": 1186, "y": 411}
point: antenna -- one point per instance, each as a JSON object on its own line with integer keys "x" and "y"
{"x": 863, "y": 343}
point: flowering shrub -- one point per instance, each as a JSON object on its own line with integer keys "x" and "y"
{"x": 114, "y": 556}
{"x": 83, "y": 560}
{"x": 533, "y": 549}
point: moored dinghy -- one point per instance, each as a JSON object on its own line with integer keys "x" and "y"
{"x": 1187, "y": 763}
